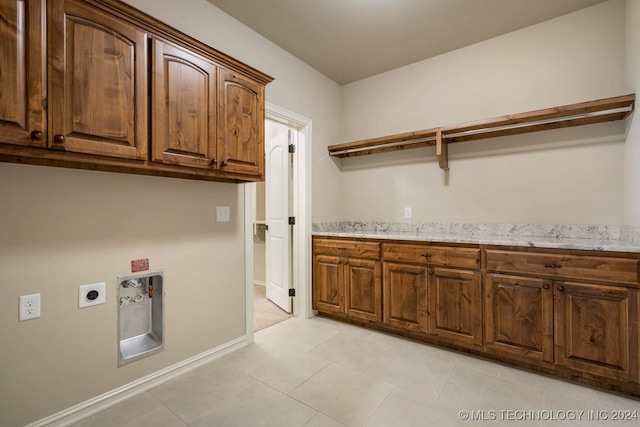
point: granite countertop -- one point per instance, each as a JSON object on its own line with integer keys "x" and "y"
{"x": 585, "y": 237}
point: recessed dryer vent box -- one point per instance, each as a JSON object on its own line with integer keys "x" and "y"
{"x": 140, "y": 316}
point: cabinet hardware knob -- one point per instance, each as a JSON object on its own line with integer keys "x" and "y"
{"x": 59, "y": 139}
{"x": 561, "y": 288}
{"x": 213, "y": 162}
{"x": 552, "y": 265}
{"x": 426, "y": 255}
{"x": 223, "y": 163}
{"x": 592, "y": 339}
{"x": 342, "y": 249}
{"x": 36, "y": 135}
{"x": 546, "y": 286}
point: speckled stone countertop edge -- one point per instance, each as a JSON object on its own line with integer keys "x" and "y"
{"x": 604, "y": 238}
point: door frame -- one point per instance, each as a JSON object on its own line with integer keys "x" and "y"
{"x": 301, "y": 236}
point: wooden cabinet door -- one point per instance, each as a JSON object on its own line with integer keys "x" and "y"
{"x": 328, "y": 284}
{"x": 22, "y": 73}
{"x": 405, "y": 296}
{"x": 455, "y": 305}
{"x": 363, "y": 287}
{"x": 184, "y": 105}
{"x": 240, "y": 124}
{"x": 519, "y": 316}
{"x": 97, "y": 82}
{"x": 596, "y": 329}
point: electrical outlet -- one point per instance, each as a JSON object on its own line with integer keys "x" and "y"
{"x": 89, "y": 295}
{"x": 223, "y": 213}
{"x": 407, "y": 213}
{"x": 29, "y": 307}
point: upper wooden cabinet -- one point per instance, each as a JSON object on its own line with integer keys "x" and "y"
{"x": 97, "y": 82}
{"x": 184, "y": 106}
{"x": 241, "y": 124}
{"x": 22, "y": 73}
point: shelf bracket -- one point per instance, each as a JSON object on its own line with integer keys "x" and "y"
{"x": 442, "y": 151}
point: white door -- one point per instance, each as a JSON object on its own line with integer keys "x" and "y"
{"x": 277, "y": 177}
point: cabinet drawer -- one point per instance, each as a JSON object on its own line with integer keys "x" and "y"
{"x": 437, "y": 255}
{"x": 347, "y": 248}
{"x": 617, "y": 270}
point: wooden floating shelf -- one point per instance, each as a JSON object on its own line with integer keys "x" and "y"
{"x": 584, "y": 113}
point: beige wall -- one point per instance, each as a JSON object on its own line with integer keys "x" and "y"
{"x": 632, "y": 146}
{"x": 567, "y": 176}
{"x": 63, "y": 228}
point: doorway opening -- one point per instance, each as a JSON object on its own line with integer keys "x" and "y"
{"x": 272, "y": 239}
{"x": 278, "y": 221}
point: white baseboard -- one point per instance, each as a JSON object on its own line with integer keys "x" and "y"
{"x": 259, "y": 283}
{"x": 99, "y": 403}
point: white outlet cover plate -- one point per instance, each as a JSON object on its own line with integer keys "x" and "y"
{"x": 223, "y": 213}
{"x": 29, "y": 307}
{"x": 83, "y": 291}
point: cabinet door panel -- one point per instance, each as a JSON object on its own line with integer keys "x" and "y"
{"x": 328, "y": 284}
{"x": 405, "y": 296}
{"x": 519, "y": 316}
{"x": 455, "y": 310}
{"x": 98, "y": 83}
{"x": 22, "y": 72}
{"x": 184, "y": 97}
{"x": 364, "y": 289}
{"x": 595, "y": 332}
{"x": 241, "y": 124}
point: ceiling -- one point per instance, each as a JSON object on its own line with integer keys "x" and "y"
{"x": 348, "y": 40}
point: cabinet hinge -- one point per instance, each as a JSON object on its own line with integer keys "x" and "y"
{"x": 292, "y": 220}
{"x": 292, "y": 148}
{"x": 292, "y": 292}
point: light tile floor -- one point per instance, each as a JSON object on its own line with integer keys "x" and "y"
{"x": 321, "y": 373}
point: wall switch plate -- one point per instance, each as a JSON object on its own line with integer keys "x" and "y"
{"x": 29, "y": 307}
{"x": 407, "y": 213}
{"x": 90, "y": 295}
{"x": 223, "y": 213}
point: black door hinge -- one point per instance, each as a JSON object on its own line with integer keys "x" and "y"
{"x": 292, "y": 292}
{"x": 292, "y": 148}
{"x": 292, "y": 220}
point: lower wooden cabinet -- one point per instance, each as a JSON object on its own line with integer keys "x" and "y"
{"x": 348, "y": 287}
{"x": 574, "y": 314}
{"x": 328, "y": 284}
{"x": 404, "y": 289}
{"x": 519, "y": 316}
{"x": 596, "y": 329}
{"x": 363, "y": 289}
{"x": 455, "y": 305}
